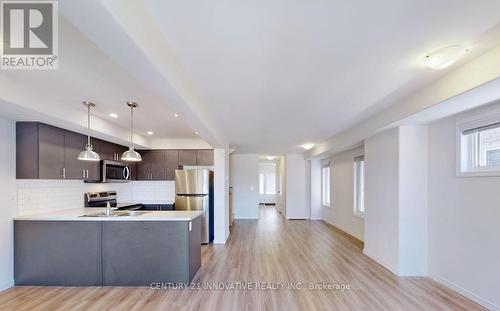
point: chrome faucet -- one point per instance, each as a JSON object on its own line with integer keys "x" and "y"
{"x": 108, "y": 209}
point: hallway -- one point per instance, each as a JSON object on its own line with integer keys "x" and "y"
{"x": 288, "y": 256}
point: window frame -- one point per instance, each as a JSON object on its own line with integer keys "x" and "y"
{"x": 326, "y": 165}
{"x": 466, "y": 146}
{"x": 358, "y": 163}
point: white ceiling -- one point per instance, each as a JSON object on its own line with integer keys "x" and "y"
{"x": 86, "y": 73}
{"x": 277, "y": 74}
{"x": 263, "y": 76}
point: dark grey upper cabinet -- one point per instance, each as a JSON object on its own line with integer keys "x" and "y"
{"x": 27, "y": 150}
{"x": 157, "y": 158}
{"x": 187, "y": 157}
{"x": 40, "y": 151}
{"x": 171, "y": 163}
{"x": 152, "y": 166}
{"x": 205, "y": 157}
{"x": 50, "y": 152}
{"x": 108, "y": 151}
{"x": 143, "y": 168}
{"x": 74, "y": 143}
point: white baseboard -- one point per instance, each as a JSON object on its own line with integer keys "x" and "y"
{"x": 464, "y": 292}
{"x": 6, "y": 285}
{"x": 246, "y": 218}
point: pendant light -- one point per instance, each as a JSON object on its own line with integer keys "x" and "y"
{"x": 88, "y": 154}
{"x": 131, "y": 155}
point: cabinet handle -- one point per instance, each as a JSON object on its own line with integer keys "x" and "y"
{"x": 83, "y": 174}
{"x": 87, "y": 173}
{"x": 63, "y": 173}
{"x": 126, "y": 173}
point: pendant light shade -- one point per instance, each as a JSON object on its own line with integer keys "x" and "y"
{"x": 88, "y": 154}
{"x": 131, "y": 155}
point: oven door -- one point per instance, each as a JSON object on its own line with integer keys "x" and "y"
{"x": 113, "y": 172}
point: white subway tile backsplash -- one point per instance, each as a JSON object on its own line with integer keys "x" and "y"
{"x": 153, "y": 190}
{"x": 38, "y": 196}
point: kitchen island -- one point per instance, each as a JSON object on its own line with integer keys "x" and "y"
{"x": 66, "y": 248}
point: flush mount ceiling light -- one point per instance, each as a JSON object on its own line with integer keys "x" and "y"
{"x": 113, "y": 115}
{"x": 195, "y": 133}
{"x": 176, "y": 115}
{"x": 307, "y": 146}
{"x": 270, "y": 158}
{"x": 88, "y": 154}
{"x": 444, "y": 57}
{"x": 131, "y": 155}
{"x": 150, "y": 133}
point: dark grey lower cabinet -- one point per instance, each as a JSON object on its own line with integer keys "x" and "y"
{"x": 140, "y": 253}
{"x": 57, "y": 253}
{"x": 157, "y": 207}
{"x": 109, "y": 253}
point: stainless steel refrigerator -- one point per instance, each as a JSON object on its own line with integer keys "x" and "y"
{"x": 194, "y": 191}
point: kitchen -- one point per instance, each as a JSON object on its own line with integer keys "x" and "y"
{"x": 107, "y": 224}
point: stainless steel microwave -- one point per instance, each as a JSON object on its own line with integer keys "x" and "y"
{"x": 114, "y": 172}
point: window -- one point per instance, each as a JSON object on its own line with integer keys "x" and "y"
{"x": 267, "y": 178}
{"x": 359, "y": 186}
{"x": 325, "y": 183}
{"x": 479, "y": 152}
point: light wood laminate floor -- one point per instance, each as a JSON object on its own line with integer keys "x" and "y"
{"x": 272, "y": 250}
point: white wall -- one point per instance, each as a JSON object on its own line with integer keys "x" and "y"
{"x": 244, "y": 172}
{"x": 178, "y": 143}
{"x": 413, "y": 151}
{"x": 297, "y": 187}
{"x": 221, "y": 195}
{"x": 381, "y": 199}
{"x": 463, "y": 221}
{"x": 341, "y": 210}
{"x": 396, "y": 199}
{"x": 8, "y": 209}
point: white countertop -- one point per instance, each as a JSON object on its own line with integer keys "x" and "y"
{"x": 75, "y": 214}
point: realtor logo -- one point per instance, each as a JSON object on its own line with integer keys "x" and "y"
{"x": 29, "y": 31}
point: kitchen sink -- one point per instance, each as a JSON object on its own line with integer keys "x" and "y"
{"x": 116, "y": 214}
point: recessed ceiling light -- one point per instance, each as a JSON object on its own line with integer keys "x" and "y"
{"x": 195, "y": 133}
{"x": 176, "y": 115}
{"x": 113, "y": 115}
{"x": 444, "y": 57}
{"x": 270, "y": 158}
{"x": 150, "y": 133}
{"x": 307, "y": 146}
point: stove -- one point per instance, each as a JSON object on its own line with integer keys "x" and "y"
{"x": 101, "y": 199}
